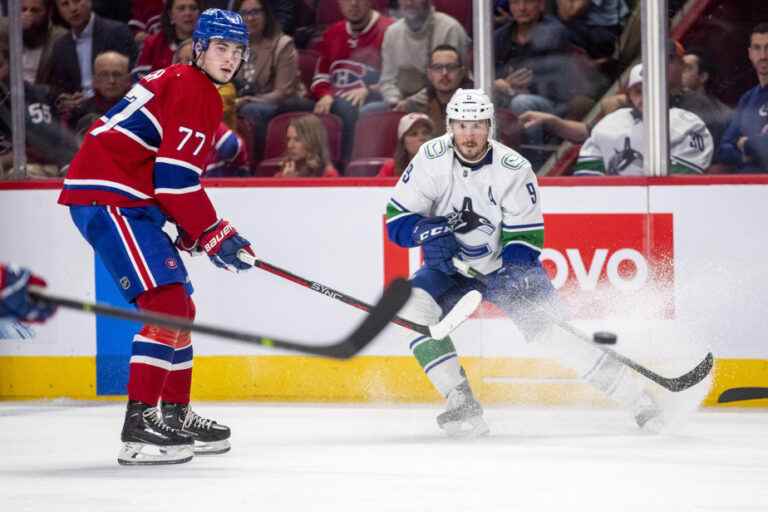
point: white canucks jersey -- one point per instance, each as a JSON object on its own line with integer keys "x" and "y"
{"x": 616, "y": 145}
{"x": 501, "y": 197}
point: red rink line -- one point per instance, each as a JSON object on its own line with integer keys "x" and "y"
{"x": 568, "y": 181}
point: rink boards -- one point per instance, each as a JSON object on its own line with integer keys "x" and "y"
{"x": 675, "y": 267}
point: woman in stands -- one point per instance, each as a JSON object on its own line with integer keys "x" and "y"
{"x": 414, "y": 130}
{"x": 178, "y": 22}
{"x": 269, "y": 80}
{"x": 306, "y": 150}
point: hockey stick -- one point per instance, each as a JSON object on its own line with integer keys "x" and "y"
{"x": 739, "y": 394}
{"x": 455, "y": 317}
{"x": 685, "y": 381}
{"x": 393, "y": 298}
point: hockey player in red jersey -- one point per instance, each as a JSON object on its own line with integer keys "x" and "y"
{"x": 138, "y": 167}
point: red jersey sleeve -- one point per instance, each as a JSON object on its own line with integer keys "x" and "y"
{"x": 191, "y": 109}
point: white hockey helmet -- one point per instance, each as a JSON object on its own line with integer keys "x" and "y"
{"x": 470, "y": 105}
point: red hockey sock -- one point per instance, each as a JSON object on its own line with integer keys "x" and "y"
{"x": 154, "y": 348}
{"x": 179, "y": 381}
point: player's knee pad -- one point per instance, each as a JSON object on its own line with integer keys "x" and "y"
{"x": 421, "y": 308}
{"x": 170, "y": 299}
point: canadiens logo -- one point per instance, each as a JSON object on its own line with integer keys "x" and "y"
{"x": 125, "y": 283}
{"x": 348, "y": 74}
{"x": 171, "y": 263}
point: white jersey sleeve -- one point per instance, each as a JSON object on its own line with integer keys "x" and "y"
{"x": 690, "y": 146}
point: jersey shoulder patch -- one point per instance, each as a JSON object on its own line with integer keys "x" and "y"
{"x": 513, "y": 161}
{"x": 435, "y": 148}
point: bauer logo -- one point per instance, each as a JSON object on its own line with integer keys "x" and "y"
{"x": 598, "y": 262}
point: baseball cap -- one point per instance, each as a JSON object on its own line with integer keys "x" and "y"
{"x": 635, "y": 76}
{"x": 408, "y": 120}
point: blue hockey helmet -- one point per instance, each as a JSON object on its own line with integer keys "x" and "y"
{"x": 220, "y": 24}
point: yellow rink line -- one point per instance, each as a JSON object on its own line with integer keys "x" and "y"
{"x": 363, "y": 379}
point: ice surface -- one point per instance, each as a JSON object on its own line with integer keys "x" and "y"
{"x": 61, "y": 456}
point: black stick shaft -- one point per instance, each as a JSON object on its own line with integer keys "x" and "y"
{"x": 379, "y": 316}
{"x": 333, "y": 294}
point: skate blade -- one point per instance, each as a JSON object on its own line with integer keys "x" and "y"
{"x": 141, "y": 454}
{"x": 212, "y": 448}
{"x": 469, "y": 428}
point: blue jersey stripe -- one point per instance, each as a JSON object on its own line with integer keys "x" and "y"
{"x": 174, "y": 176}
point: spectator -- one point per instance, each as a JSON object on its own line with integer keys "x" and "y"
{"x": 145, "y": 19}
{"x": 697, "y": 77}
{"x": 535, "y": 70}
{"x": 407, "y": 46}
{"x": 38, "y": 34}
{"x": 111, "y": 80}
{"x": 269, "y": 81}
{"x": 306, "y": 150}
{"x": 72, "y": 57}
{"x": 283, "y": 10}
{"x": 446, "y": 73}
{"x": 49, "y": 147}
{"x": 745, "y": 141}
{"x": 178, "y": 22}
{"x": 228, "y": 156}
{"x": 414, "y": 130}
{"x": 594, "y": 25}
{"x": 348, "y": 70}
{"x": 566, "y": 129}
{"x": 679, "y": 97}
{"x": 616, "y": 145}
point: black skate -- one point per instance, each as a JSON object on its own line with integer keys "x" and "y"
{"x": 463, "y": 416}
{"x": 210, "y": 437}
{"x": 149, "y": 441}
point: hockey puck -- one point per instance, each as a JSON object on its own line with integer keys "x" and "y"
{"x": 604, "y": 338}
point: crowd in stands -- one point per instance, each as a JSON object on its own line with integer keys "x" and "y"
{"x": 353, "y": 87}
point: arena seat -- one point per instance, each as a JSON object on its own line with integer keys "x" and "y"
{"x": 364, "y": 167}
{"x": 268, "y": 167}
{"x": 274, "y": 146}
{"x": 376, "y": 135}
{"x": 246, "y": 131}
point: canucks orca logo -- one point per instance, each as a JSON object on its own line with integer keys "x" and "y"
{"x": 624, "y": 158}
{"x": 467, "y": 219}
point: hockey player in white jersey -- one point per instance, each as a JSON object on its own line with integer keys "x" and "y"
{"x": 467, "y": 195}
{"x": 616, "y": 145}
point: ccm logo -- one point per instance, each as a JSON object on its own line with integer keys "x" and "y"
{"x": 588, "y": 275}
{"x": 220, "y": 236}
{"x": 436, "y": 231}
{"x": 325, "y": 291}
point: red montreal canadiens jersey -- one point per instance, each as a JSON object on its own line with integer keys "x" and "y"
{"x": 151, "y": 148}
{"x": 348, "y": 60}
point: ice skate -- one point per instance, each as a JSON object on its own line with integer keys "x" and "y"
{"x": 648, "y": 414}
{"x": 463, "y": 416}
{"x": 149, "y": 441}
{"x": 210, "y": 437}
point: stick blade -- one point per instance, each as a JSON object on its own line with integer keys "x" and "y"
{"x": 391, "y": 301}
{"x": 460, "y": 312}
{"x": 694, "y": 376}
{"x": 739, "y": 394}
